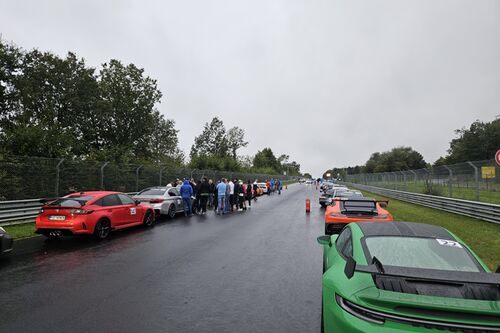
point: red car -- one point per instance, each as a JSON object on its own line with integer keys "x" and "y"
{"x": 92, "y": 213}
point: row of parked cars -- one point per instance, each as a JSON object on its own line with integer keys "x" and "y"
{"x": 385, "y": 276}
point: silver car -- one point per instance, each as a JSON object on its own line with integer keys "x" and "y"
{"x": 166, "y": 200}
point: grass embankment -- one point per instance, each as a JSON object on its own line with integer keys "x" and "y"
{"x": 483, "y": 237}
{"x": 21, "y": 230}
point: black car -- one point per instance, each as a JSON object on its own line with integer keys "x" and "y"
{"x": 6, "y": 242}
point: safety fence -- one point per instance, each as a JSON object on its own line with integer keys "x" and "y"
{"x": 36, "y": 177}
{"x": 475, "y": 181}
{"x": 479, "y": 210}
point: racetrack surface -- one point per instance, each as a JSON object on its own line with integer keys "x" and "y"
{"x": 255, "y": 271}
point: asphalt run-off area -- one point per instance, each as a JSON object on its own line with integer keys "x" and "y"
{"x": 253, "y": 271}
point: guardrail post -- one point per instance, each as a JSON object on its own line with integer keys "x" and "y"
{"x": 450, "y": 180}
{"x": 58, "y": 170}
{"x": 476, "y": 178}
{"x": 137, "y": 178}
{"x": 102, "y": 174}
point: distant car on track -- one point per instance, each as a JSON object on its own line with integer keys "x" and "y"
{"x": 92, "y": 213}
{"x": 165, "y": 200}
{"x": 262, "y": 187}
{"x": 342, "y": 211}
{"x": 336, "y": 192}
{"x": 404, "y": 277}
{"x": 6, "y": 242}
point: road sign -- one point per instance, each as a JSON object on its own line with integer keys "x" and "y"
{"x": 488, "y": 172}
{"x": 497, "y": 157}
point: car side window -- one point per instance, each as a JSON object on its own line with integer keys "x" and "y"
{"x": 344, "y": 243}
{"x": 126, "y": 200}
{"x": 172, "y": 192}
{"x": 111, "y": 200}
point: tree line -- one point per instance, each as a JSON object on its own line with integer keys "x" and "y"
{"x": 478, "y": 142}
{"x": 60, "y": 107}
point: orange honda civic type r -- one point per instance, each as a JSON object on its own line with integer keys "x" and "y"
{"x": 345, "y": 210}
{"x": 93, "y": 213}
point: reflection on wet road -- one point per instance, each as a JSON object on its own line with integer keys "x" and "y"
{"x": 256, "y": 271}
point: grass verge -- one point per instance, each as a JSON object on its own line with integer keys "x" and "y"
{"x": 21, "y": 230}
{"x": 483, "y": 237}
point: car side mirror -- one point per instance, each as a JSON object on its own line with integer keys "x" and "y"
{"x": 137, "y": 202}
{"x": 324, "y": 240}
{"x": 383, "y": 204}
{"x": 350, "y": 267}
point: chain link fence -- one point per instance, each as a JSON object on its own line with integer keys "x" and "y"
{"x": 476, "y": 181}
{"x": 37, "y": 177}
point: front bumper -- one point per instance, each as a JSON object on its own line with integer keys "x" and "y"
{"x": 6, "y": 244}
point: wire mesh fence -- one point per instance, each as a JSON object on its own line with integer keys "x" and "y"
{"x": 38, "y": 177}
{"x": 477, "y": 180}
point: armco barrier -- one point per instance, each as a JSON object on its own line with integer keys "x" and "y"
{"x": 21, "y": 211}
{"x": 479, "y": 210}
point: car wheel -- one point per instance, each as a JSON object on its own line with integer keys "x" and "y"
{"x": 102, "y": 229}
{"x": 148, "y": 219}
{"x": 171, "y": 211}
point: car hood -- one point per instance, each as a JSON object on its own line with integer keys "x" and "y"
{"x": 455, "y": 310}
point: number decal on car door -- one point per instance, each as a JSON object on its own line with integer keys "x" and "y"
{"x": 133, "y": 211}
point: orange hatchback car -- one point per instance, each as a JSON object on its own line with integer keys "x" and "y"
{"x": 345, "y": 210}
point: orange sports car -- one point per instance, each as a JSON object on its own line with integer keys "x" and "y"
{"x": 345, "y": 210}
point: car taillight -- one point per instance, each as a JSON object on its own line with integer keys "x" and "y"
{"x": 80, "y": 212}
{"x": 156, "y": 200}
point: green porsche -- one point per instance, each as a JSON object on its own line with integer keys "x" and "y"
{"x": 405, "y": 277}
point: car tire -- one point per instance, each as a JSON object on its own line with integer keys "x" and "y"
{"x": 171, "y": 211}
{"x": 102, "y": 229}
{"x": 148, "y": 220}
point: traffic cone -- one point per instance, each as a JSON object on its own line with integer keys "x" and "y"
{"x": 308, "y": 206}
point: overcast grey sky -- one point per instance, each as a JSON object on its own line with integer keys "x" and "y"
{"x": 327, "y": 82}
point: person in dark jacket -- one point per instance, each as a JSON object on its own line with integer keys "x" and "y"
{"x": 186, "y": 194}
{"x": 248, "y": 195}
{"x": 197, "y": 202}
{"x": 203, "y": 194}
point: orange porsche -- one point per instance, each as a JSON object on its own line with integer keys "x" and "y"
{"x": 345, "y": 210}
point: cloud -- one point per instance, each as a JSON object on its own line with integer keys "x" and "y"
{"x": 327, "y": 82}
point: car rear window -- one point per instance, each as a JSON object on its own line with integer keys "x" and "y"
{"x": 153, "y": 191}
{"x": 71, "y": 201}
{"x": 426, "y": 253}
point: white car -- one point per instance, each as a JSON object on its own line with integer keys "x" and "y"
{"x": 263, "y": 187}
{"x": 166, "y": 200}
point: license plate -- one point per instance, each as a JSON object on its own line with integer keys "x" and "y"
{"x": 57, "y": 217}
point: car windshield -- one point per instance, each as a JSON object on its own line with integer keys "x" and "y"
{"x": 71, "y": 201}
{"x": 153, "y": 191}
{"x": 427, "y": 253}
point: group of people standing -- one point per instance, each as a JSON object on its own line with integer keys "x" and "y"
{"x": 224, "y": 196}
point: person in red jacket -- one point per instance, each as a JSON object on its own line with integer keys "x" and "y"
{"x": 268, "y": 185}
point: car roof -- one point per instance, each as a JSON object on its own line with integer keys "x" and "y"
{"x": 404, "y": 229}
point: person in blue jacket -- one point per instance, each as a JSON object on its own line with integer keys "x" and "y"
{"x": 186, "y": 194}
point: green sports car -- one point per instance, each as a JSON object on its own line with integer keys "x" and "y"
{"x": 405, "y": 277}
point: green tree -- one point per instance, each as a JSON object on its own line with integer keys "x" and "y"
{"x": 235, "y": 138}
{"x": 478, "y": 142}
{"x": 265, "y": 159}
{"x": 399, "y": 158}
{"x": 212, "y": 141}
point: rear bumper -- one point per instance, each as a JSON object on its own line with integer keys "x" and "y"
{"x": 77, "y": 226}
{"x": 6, "y": 244}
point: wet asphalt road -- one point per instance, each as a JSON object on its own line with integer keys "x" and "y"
{"x": 256, "y": 271}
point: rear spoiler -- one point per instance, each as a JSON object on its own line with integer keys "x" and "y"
{"x": 422, "y": 274}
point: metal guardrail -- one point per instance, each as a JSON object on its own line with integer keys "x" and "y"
{"x": 22, "y": 211}
{"x": 479, "y": 210}
{"x": 19, "y": 211}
